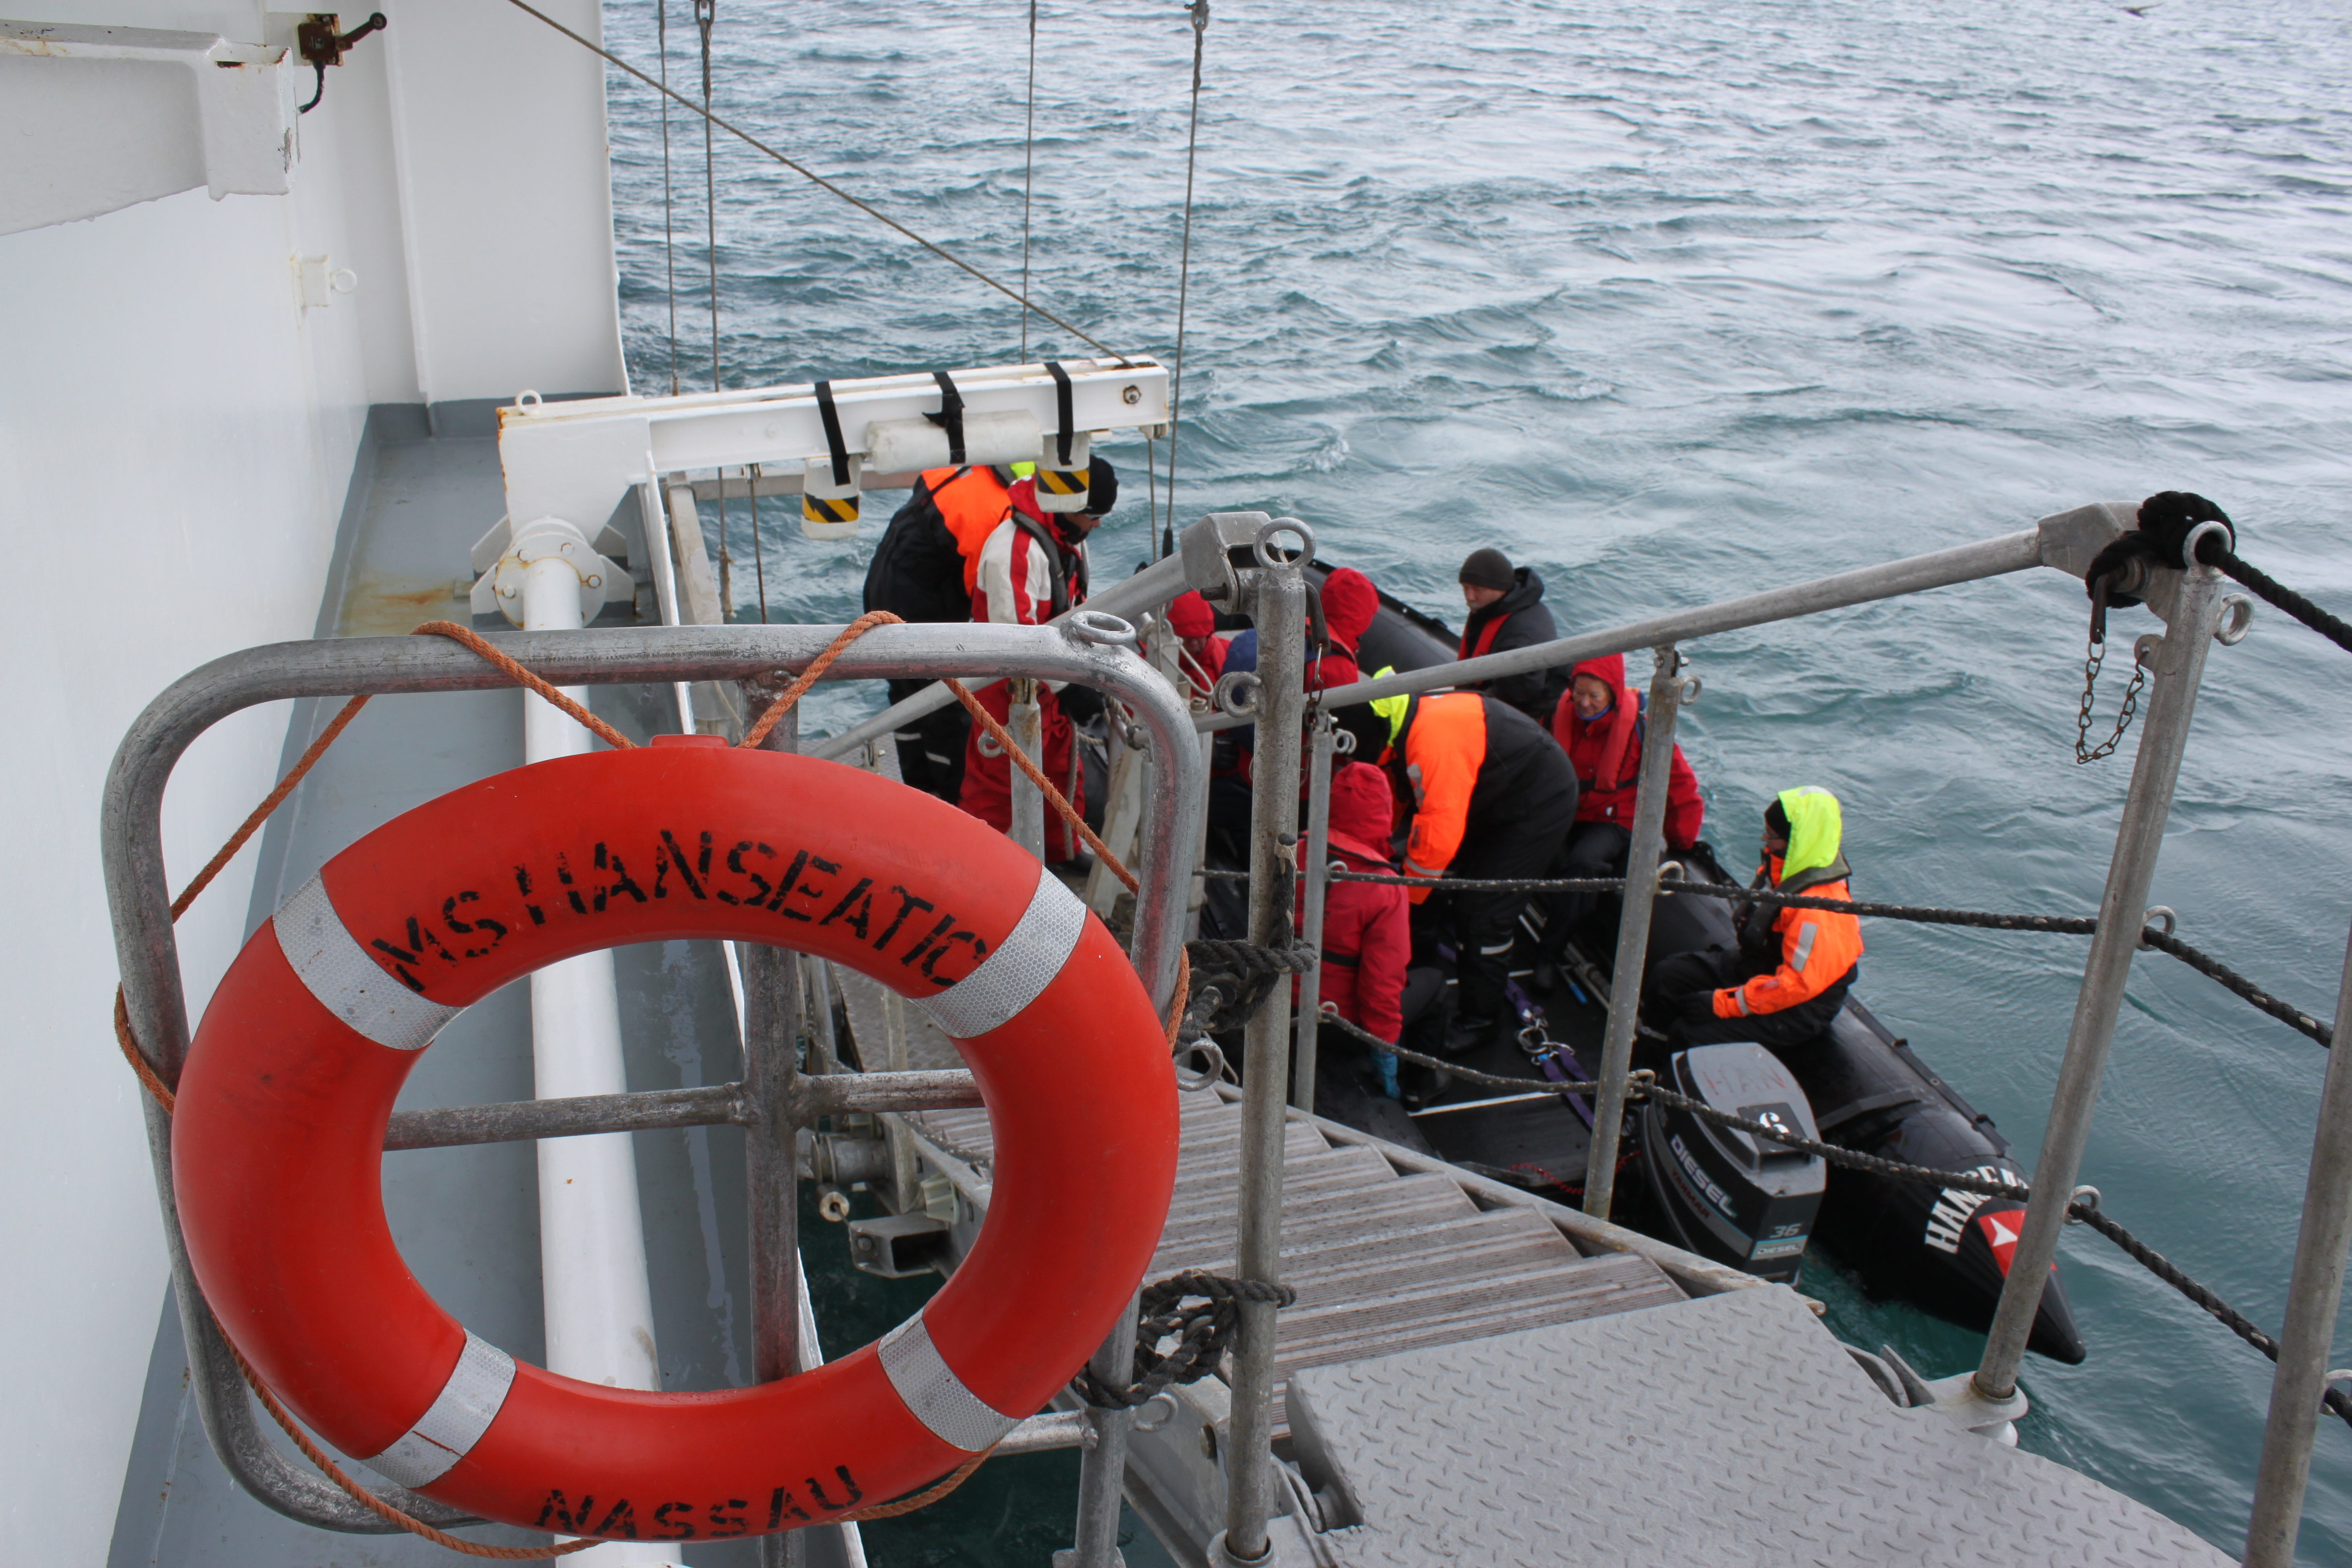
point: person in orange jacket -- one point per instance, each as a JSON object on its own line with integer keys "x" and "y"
{"x": 1492, "y": 798}
{"x": 1600, "y": 724}
{"x": 1788, "y": 975}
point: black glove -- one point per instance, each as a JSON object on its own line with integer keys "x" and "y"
{"x": 1696, "y": 1006}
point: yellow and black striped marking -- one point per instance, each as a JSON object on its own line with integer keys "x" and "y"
{"x": 1062, "y": 482}
{"x": 828, "y": 508}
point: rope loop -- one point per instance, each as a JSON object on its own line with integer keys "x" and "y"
{"x": 1202, "y": 1332}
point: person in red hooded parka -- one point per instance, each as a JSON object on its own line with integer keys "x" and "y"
{"x": 1367, "y": 927}
{"x": 1200, "y": 653}
{"x": 1600, "y": 723}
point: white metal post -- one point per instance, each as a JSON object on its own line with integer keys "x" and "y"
{"x": 592, "y": 1241}
{"x": 1023, "y": 720}
{"x": 1634, "y": 930}
{"x": 2312, "y": 1300}
{"x": 2178, "y": 665}
{"x": 1315, "y": 879}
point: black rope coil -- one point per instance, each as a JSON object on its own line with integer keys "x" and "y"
{"x": 1230, "y": 978}
{"x": 2166, "y": 520}
{"x": 1203, "y": 1332}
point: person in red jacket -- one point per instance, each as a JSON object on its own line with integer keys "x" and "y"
{"x": 1367, "y": 926}
{"x": 1600, "y": 724}
{"x": 1200, "y": 653}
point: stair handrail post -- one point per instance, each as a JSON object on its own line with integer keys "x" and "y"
{"x": 2314, "y": 1294}
{"x": 2175, "y": 667}
{"x": 1667, "y": 695}
{"x": 1317, "y": 881}
{"x": 1280, "y": 616}
{"x": 772, "y": 1018}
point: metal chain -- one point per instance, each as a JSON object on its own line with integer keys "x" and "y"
{"x": 2095, "y": 654}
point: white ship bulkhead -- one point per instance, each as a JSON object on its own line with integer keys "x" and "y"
{"x": 181, "y": 429}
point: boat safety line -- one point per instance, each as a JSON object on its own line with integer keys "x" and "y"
{"x": 2156, "y": 937}
{"x": 1644, "y": 1085}
{"x": 868, "y": 208}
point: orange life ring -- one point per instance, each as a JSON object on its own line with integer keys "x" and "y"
{"x": 277, "y": 1141}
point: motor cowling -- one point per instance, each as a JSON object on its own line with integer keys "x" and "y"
{"x": 1735, "y": 1196}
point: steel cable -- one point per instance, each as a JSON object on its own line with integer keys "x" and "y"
{"x": 868, "y": 208}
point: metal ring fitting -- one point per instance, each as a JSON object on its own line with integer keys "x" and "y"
{"x": 1209, "y": 1074}
{"x": 2237, "y": 619}
{"x": 833, "y": 1204}
{"x": 2155, "y": 914}
{"x": 527, "y": 398}
{"x": 1162, "y": 1398}
{"x": 2088, "y": 1196}
{"x": 2144, "y": 648}
{"x": 1263, "y": 546}
{"x": 2197, "y": 537}
{"x": 1099, "y": 628}
{"x": 988, "y": 745}
{"x": 1672, "y": 871}
{"x": 1229, "y": 689}
{"x": 1692, "y": 687}
{"x": 1343, "y": 744}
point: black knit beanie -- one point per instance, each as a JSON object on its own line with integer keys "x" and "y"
{"x": 1102, "y": 487}
{"x": 1776, "y": 820}
{"x": 1489, "y": 568}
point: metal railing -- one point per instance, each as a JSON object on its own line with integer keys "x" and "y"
{"x": 773, "y": 1101}
{"x": 1235, "y": 557}
{"x": 2196, "y": 614}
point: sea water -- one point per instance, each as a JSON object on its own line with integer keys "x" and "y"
{"x": 1671, "y": 302}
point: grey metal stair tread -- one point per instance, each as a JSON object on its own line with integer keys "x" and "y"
{"x": 1732, "y": 1428}
{"x": 1322, "y": 1269}
{"x": 862, "y": 998}
{"x": 1475, "y": 1305}
{"x": 1421, "y": 1198}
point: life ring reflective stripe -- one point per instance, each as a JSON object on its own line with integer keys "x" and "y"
{"x": 277, "y": 1145}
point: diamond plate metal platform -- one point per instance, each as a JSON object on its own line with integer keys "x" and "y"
{"x": 1729, "y": 1430}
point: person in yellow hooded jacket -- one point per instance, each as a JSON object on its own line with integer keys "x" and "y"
{"x": 1789, "y": 971}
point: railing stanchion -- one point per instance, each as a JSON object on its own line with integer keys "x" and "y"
{"x": 771, "y": 1011}
{"x": 2313, "y": 1297}
{"x": 1634, "y": 929}
{"x": 2178, "y": 665}
{"x": 1281, "y": 617}
{"x": 1318, "y": 847}
{"x": 1025, "y": 722}
{"x": 1102, "y": 1465}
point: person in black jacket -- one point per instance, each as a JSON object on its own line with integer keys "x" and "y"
{"x": 1507, "y": 611}
{"x": 923, "y": 570}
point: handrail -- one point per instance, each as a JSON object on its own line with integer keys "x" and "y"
{"x": 138, "y": 898}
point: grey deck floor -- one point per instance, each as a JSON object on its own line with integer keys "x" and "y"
{"x": 1731, "y": 1430}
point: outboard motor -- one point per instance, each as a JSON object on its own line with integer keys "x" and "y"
{"x": 1730, "y": 1195}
